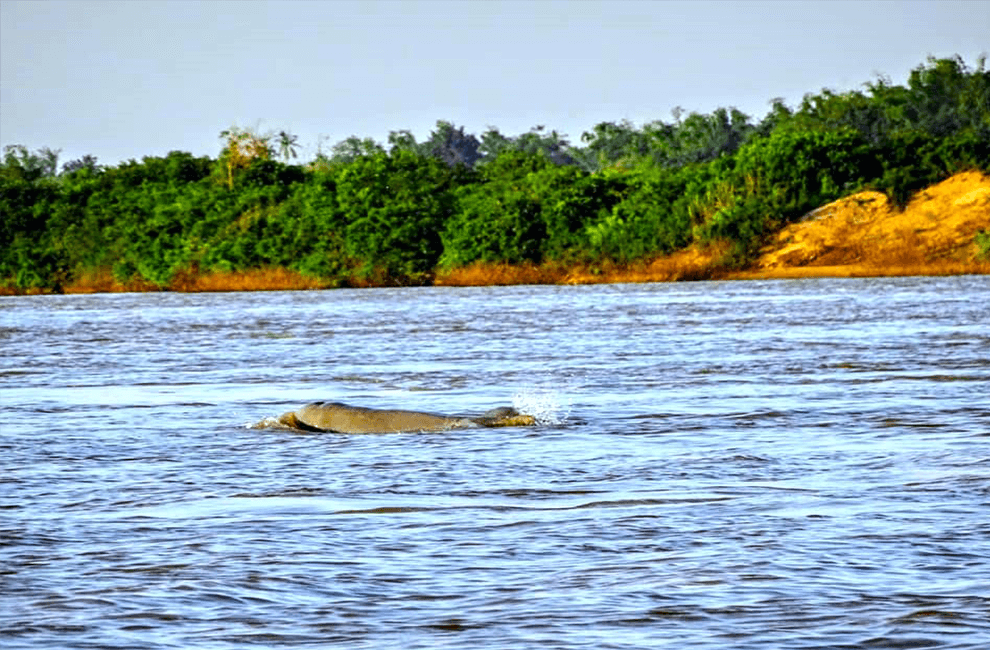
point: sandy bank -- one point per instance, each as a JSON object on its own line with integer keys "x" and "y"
{"x": 865, "y": 235}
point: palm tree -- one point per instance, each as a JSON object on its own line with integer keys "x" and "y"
{"x": 287, "y": 144}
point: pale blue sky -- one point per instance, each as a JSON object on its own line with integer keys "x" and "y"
{"x": 123, "y": 80}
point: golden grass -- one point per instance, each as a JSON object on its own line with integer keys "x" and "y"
{"x": 695, "y": 263}
{"x": 266, "y": 279}
{"x": 8, "y": 289}
{"x": 189, "y": 281}
{"x": 481, "y": 274}
{"x": 102, "y": 281}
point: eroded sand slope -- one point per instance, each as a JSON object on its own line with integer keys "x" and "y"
{"x": 865, "y": 234}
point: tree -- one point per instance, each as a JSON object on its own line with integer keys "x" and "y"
{"x": 493, "y": 143}
{"x": 29, "y": 194}
{"x": 452, "y": 146}
{"x": 552, "y": 145}
{"x": 611, "y": 143}
{"x": 698, "y": 138}
{"x": 402, "y": 140}
{"x": 287, "y": 145}
{"x": 87, "y": 162}
{"x": 241, "y": 148}
{"x": 393, "y": 208}
{"x": 20, "y": 163}
{"x": 353, "y": 148}
{"x": 945, "y": 97}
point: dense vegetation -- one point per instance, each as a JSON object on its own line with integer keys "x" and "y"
{"x": 395, "y": 213}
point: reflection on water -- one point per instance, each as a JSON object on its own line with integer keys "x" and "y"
{"x": 753, "y": 464}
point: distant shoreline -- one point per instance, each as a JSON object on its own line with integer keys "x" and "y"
{"x": 505, "y": 275}
{"x": 944, "y": 230}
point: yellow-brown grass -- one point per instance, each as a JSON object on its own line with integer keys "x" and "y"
{"x": 8, "y": 289}
{"x": 266, "y": 279}
{"x": 102, "y": 281}
{"x": 695, "y": 263}
{"x": 481, "y": 274}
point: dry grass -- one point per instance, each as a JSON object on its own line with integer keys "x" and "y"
{"x": 266, "y": 279}
{"x": 695, "y": 263}
{"x": 102, "y": 281}
{"x": 482, "y": 274}
{"x": 862, "y": 271}
{"x": 8, "y": 289}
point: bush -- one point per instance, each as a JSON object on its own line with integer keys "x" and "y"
{"x": 795, "y": 172}
{"x": 650, "y": 217}
{"x": 395, "y": 207}
{"x": 982, "y": 240}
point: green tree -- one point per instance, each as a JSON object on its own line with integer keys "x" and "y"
{"x": 29, "y": 192}
{"x": 287, "y": 145}
{"x": 526, "y": 208}
{"x": 650, "y": 216}
{"x": 402, "y": 141}
{"x": 87, "y": 162}
{"x": 493, "y": 143}
{"x": 354, "y": 148}
{"x": 611, "y": 143}
{"x": 394, "y": 207}
{"x": 452, "y": 145}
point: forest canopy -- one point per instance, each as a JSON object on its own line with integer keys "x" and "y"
{"x": 396, "y": 212}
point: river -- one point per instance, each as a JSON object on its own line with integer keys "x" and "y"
{"x": 780, "y": 464}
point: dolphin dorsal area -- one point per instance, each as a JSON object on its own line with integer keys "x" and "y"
{"x": 342, "y": 418}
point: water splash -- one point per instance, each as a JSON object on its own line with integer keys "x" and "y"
{"x": 267, "y": 423}
{"x": 546, "y": 405}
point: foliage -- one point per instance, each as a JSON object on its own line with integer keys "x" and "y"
{"x": 393, "y": 208}
{"x": 650, "y": 218}
{"x": 28, "y": 193}
{"x": 241, "y": 148}
{"x": 452, "y": 146}
{"x": 695, "y": 139}
{"x": 525, "y": 208}
{"x": 354, "y": 148}
{"x": 367, "y": 214}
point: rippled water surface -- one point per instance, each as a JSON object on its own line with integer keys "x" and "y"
{"x": 799, "y": 464}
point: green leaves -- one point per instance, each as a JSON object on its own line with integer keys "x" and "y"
{"x": 394, "y": 207}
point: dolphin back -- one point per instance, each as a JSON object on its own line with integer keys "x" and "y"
{"x": 341, "y": 418}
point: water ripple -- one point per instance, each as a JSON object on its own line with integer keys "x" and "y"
{"x": 759, "y": 464}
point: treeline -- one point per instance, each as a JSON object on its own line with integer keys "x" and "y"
{"x": 394, "y": 213}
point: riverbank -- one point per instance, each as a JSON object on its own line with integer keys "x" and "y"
{"x": 863, "y": 235}
{"x": 943, "y": 230}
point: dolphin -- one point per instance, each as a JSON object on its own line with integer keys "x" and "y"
{"x": 341, "y": 418}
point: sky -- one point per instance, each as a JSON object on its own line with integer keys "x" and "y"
{"x": 124, "y": 80}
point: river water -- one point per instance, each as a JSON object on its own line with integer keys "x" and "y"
{"x": 785, "y": 464}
